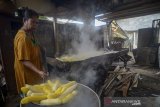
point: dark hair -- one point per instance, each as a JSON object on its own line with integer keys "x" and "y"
{"x": 26, "y": 13}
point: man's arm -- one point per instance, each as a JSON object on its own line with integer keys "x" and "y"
{"x": 31, "y": 66}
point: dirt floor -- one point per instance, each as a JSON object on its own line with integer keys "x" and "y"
{"x": 149, "y": 81}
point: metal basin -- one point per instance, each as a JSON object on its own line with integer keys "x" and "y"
{"x": 82, "y": 57}
{"x": 88, "y": 70}
{"x": 86, "y": 97}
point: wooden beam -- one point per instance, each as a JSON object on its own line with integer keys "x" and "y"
{"x": 136, "y": 11}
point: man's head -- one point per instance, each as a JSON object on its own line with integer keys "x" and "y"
{"x": 30, "y": 19}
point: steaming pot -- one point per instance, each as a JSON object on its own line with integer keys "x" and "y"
{"x": 86, "y": 97}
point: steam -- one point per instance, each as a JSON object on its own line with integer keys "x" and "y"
{"x": 89, "y": 77}
{"x": 85, "y": 98}
{"x": 85, "y": 46}
{"x": 85, "y": 72}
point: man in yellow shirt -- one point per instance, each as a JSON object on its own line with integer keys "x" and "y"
{"x": 28, "y": 65}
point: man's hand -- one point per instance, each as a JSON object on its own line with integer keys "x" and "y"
{"x": 31, "y": 66}
{"x": 43, "y": 74}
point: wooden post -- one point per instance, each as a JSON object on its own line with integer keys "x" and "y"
{"x": 56, "y": 37}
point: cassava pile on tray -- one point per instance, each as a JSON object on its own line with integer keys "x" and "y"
{"x": 49, "y": 93}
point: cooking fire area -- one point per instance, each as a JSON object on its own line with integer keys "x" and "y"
{"x": 92, "y": 71}
{"x": 106, "y": 78}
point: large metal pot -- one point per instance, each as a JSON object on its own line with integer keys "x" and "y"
{"x": 86, "y": 97}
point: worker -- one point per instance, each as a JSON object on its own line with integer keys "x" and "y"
{"x": 28, "y": 65}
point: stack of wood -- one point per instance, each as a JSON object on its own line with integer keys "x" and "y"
{"x": 121, "y": 79}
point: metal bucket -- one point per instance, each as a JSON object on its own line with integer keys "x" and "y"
{"x": 86, "y": 97}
